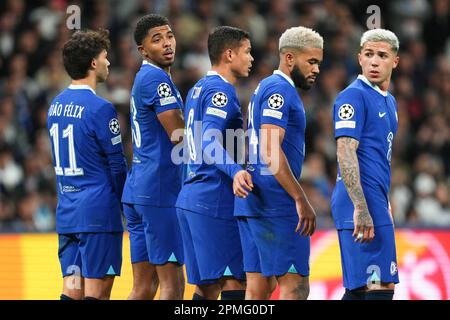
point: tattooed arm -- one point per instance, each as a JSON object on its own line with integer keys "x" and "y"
{"x": 349, "y": 167}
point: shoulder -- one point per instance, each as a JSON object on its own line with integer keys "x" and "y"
{"x": 354, "y": 90}
{"x": 102, "y": 107}
{"x": 273, "y": 84}
{"x": 154, "y": 76}
{"x": 219, "y": 91}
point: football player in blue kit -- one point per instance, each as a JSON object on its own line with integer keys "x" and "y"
{"x": 205, "y": 203}
{"x": 277, "y": 208}
{"x": 90, "y": 172}
{"x": 365, "y": 123}
{"x": 154, "y": 180}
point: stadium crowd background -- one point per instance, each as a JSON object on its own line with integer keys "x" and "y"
{"x": 32, "y": 34}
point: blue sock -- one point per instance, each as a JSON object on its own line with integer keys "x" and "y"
{"x": 64, "y": 297}
{"x": 233, "y": 295}
{"x": 355, "y": 294}
{"x": 379, "y": 295}
{"x": 197, "y": 297}
{"x": 89, "y": 298}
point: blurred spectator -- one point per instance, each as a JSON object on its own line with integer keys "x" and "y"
{"x": 32, "y": 34}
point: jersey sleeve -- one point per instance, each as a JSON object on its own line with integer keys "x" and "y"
{"x": 275, "y": 105}
{"x": 157, "y": 91}
{"x": 219, "y": 106}
{"x": 349, "y": 114}
{"x": 107, "y": 132}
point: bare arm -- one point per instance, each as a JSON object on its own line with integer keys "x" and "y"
{"x": 349, "y": 167}
{"x": 273, "y": 155}
{"x": 172, "y": 120}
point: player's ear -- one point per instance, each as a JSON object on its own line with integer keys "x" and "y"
{"x": 289, "y": 59}
{"x": 359, "y": 58}
{"x": 93, "y": 63}
{"x": 228, "y": 55}
{"x": 142, "y": 51}
{"x": 396, "y": 60}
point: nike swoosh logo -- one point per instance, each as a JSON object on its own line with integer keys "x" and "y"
{"x": 381, "y": 115}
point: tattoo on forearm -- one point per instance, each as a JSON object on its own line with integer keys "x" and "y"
{"x": 349, "y": 166}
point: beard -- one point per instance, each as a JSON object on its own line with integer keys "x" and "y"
{"x": 299, "y": 79}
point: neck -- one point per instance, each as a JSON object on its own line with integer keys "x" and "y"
{"x": 225, "y": 72}
{"x": 91, "y": 81}
{"x": 284, "y": 68}
{"x": 165, "y": 68}
{"x": 385, "y": 84}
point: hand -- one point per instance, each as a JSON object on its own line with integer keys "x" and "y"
{"x": 306, "y": 218}
{"x": 242, "y": 182}
{"x": 364, "y": 230}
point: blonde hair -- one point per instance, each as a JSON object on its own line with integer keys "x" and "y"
{"x": 299, "y": 38}
{"x": 381, "y": 35}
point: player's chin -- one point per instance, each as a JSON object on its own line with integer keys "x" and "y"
{"x": 102, "y": 77}
{"x": 245, "y": 73}
{"x": 169, "y": 60}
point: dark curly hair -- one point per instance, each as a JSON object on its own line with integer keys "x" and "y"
{"x": 146, "y": 23}
{"x": 83, "y": 46}
{"x": 223, "y": 38}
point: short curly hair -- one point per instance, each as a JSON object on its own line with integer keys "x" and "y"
{"x": 81, "y": 48}
{"x": 146, "y": 23}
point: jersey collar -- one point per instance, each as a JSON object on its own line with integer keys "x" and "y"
{"x": 215, "y": 73}
{"x": 373, "y": 86}
{"x": 80, "y": 87}
{"x": 281, "y": 73}
{"x": 155, "y": 66}
{"x": 149, "y": 63}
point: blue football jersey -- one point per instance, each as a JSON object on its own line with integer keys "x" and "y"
{"x": 211, "y": 107}
{"x": 89, "y": 162}
{"x": 154, "y": 179}
{"x": 363, "y": 112}
{"x": 275, "y": 101}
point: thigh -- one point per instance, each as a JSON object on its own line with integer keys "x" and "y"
{"x": 101, "y": 254}
{"x": 251, "y": 259}
{"x": 135, "y": 228}
{"x": 217, "y": 246}
{"x": 192, "y": 269}
{"x": 162, "y": 234}
{"x": 69, "y": 254}
{"x": 366, "y": 264}
{"x": 280, "y": 248}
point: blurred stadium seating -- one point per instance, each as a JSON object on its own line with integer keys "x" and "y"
{"x": 32, "y": 33}
{"x": 31, "y": 73}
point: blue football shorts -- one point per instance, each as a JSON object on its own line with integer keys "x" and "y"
{"x": 272, "y": 247}
{"x": 368, "y": 263}
{"x": 212, "y": 247}
{"x": 154, "y": 234}
{"x": 91, "y": 255}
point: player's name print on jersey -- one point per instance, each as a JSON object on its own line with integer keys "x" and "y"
{"x": 69, "y": 110}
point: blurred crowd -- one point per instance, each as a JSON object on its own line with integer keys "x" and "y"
{"x": 32, "y": 34}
